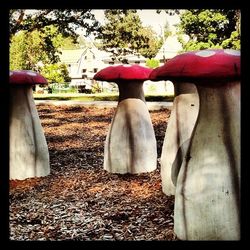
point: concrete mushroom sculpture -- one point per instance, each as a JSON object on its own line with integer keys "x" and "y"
{"x": 207, "y": 198}
{"x": 180, "y": 124}
{"x": 130, "y": 145}
{"x": 28, "y": 155}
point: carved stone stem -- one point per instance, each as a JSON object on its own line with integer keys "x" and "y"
{"x": 130, "y": 145}
{"x": 28, "y": 155}
{"x": 207, "y": 199}
{"x": 177, "y": 137}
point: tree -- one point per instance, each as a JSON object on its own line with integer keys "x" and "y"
{"x": 55, "y": 73}
{"x": 123, "y": 33}
{"x": 167, "y": 32}
{"x": 65, "y": 42}
{"x": 27, "y": 49}
{"x": 65, "y": 21}
{"x": 27, "y": 52}
{"x": 18, "y": 48}
{"x": 152, "y": 63}
{"x": 210, "y": 28}
{"x": 154, "y": 43}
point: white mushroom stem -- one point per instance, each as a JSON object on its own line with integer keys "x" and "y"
{"x": 177, "y": 137}
{"x": 29, "y": 155}
{"x": 207, "y": 199}
{"x": 130, "y": 145}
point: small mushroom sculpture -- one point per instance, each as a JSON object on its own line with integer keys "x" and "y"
{"x": 28, "y": 149}
{"x": 207, "y": 197}
{"x": 130, "y": 145}
{"x": 180, "y": 124}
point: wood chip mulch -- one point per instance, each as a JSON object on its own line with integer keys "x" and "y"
{"x": 79, "y": 200}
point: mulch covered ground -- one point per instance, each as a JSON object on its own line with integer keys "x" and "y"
{"x": 81, "y": 201}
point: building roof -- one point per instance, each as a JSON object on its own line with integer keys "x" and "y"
{"x": 69, "y": 56}
{"x": 76, "y": 56}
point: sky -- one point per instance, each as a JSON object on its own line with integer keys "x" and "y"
{"x": 149, "y": 17}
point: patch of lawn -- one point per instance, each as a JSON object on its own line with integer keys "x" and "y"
{"x": 97, "y": 97}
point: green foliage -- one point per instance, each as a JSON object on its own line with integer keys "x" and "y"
{"x": 58, "y": 40}
{"x": 77, "y": 97}
{"x": 55, "y": 73}
{"x": 208, "y": 28}
{"x": 18, "y": 55}
{"x": 123, "y": 33}
{"x": 30, "y": 50}
{"x": 66, "y": 20}
{"x": 167, "y": 31}
{"x": 154, "y": 43}
{"x": 152, "y": 88}
{"x": 27, "y": 49}
{"x": 56, "y": 88}
{"x": 233, "y": 41}
{"x": 43, "y": 32}
{"x": 96, "y": 87}
{"x": 152, "y": 63}
{"x": 159, "y": 98}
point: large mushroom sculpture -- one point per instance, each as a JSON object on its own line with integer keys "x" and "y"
{"x": 28, "y": 149}
{"x": 207, "y": 197}
{"x": 180, "y": 124}
{"x": 130, "y": 145}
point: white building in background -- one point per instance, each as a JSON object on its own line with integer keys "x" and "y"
{"x": 82, "y": 65}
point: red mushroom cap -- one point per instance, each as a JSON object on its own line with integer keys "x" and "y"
{"x": 154, "y": 75}
{"x": 202, "y": 64}
{"x": 26, "y": 77}
{"x": 123, "y": 72}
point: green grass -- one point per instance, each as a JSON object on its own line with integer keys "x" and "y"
{"x": 96, "y": 97}
{"x": 76, "y": 97}
{"x": 159, "y": 98}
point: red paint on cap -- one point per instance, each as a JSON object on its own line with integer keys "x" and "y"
{"x": 26, "y": 77}
{"x": 123, "y": 72}
{"x": 203, "y": 64}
